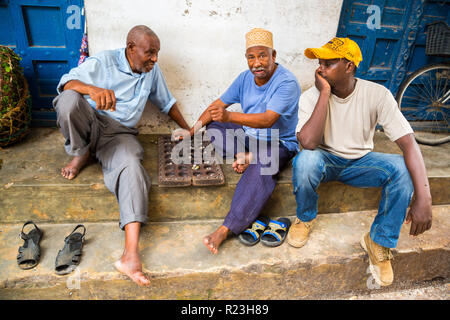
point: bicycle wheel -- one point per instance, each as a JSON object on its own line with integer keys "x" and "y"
{"x": 423, "y": 99}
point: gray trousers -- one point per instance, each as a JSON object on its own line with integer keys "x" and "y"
{"x": 115, "y": 146}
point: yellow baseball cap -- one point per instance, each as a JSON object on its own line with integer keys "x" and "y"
{"x": 337, "y": 48}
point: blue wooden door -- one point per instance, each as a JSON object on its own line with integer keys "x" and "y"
{"x": 47, "y": 35}
{"x": 391, "y": 35}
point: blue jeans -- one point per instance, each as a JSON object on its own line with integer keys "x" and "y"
{"x": 311, "y": 167}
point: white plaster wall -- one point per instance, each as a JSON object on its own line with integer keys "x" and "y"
{"x": 203, "y": 42}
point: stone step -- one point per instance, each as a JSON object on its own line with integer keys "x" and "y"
{"x": 181, "y": 267}
{"x": 32, "y": 187}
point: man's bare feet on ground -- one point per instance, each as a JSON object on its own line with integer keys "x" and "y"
{"x": 74, "y": 167}
{"x": 130, "y": 265}
{"x": 242, "y": 161}
{"x": 215, "y": 239}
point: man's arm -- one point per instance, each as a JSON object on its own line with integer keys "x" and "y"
{"x": 205, "y": 117}
{"x": 254, "y": 120}
{"x": 420, "y": 212}
{"x": 311, "y": 134}
{"x": 105, "y": 99}
{"x": 216, "y": 111}
{"x": 176, "y": 115}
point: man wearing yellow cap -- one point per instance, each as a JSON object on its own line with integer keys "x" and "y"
{"x": 268, "y": 94}
{"x": 337, "y": 119}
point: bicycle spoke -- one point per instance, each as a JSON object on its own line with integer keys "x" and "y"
{"x": 421, "y": 88}
{"x": 443, "y": 89}
{"x": 418, "y": 94}
{"x": 415, "y": 114}
{"x": 419, "y": 99}
{"x": 445, "y": 92}
{"x": 425, "y": 86}
{"x": 431, "y": 87}
{"x": 430, "y": 92}
{"x": 445, "y": 98}
{"x": 435, "y": 84}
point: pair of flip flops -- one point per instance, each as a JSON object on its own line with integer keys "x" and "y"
{"x": 67, "y": 259}
{"x": 271, "y": 233}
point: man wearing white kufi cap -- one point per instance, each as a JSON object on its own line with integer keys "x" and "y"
{"x": 268, "y": 94}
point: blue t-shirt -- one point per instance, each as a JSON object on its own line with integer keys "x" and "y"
{"x": 280, "y": 94}
{"x": 110, "y": 70}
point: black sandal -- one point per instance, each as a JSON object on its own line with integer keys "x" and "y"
{"x": 252, "y": 234}
{"x": 275, "y": 234}
{"x": 30, "y": 252}
{"x": 69, "y": 257}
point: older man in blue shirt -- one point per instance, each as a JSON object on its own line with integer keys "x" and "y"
{"x": 269, "y": 95}
{"x": 99, "y": 105}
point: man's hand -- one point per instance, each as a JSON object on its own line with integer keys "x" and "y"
{"x": 180, "y": 134}
{"x": 420, "y": 215}
{"x": 311, "y": 134}
{"x": 104, "y": 99}
{"x": 219, "y": 113}
{"x": 197, "y": 126}
{"x": 321, "y": 84}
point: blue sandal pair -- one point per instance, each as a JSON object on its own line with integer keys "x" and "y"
{"x": 271, "y": 233}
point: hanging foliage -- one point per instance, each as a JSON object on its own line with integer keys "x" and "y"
{"x": 15, "y": 102}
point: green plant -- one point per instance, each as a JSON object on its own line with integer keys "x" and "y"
{"x": 11, "y": 79}
{"x": 15, "y": 102}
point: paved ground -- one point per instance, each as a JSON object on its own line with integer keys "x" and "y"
{"x": 181, "y": 267}
{"x": 434, "y": 290}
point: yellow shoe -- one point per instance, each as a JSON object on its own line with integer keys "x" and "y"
{"x": 299, "y": 232}
{"x": 380, "y": 261}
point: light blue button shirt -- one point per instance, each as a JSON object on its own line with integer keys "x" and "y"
{"x": 110, "y": 70}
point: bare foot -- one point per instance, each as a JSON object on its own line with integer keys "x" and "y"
{"x": 72, "y": 169}
{"x": 242, "y": 161}
{"x": 131, "y": 266}
{"x": 215, "y": 239}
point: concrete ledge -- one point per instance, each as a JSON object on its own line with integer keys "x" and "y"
{"x": 32, "y": 188}
{"x": 182, "y": 268}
